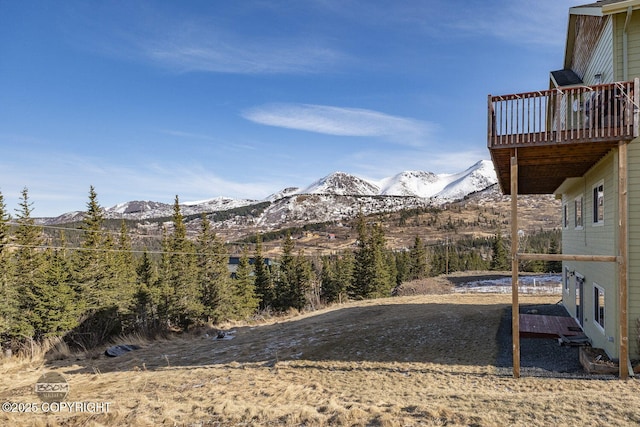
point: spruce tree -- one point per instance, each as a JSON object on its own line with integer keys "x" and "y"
{"x": 28, "y": 267}
{"x": 162, "y": 293}
{"x": 125, "y": 269}
{"x": 263, "y": 282}
{"x": 143, "y": 309}
{"x": 186, "y": 303}
{"x": 213, "y": 274}
{"x": 91, "y": 263}
{"x": 500, "y": 259}
{"x": 372, "y": 276}
{"x": 553, "y": 266}
{"x": 344, "y": 274}
{"x": 329, "y": 285}
{"x": 284, "y": 281}
{"x": 245, "y": 300}
{"x": 419, "y": 266}
{"x": 301, "y": 281}
{"x": 55, "y": 304}
{"x": 9, "y": 310}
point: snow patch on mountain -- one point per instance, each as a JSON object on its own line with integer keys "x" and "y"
{"x": 343, "y": 184}
{"x": 411, "y": 183}
{"x": 336, "y": 196}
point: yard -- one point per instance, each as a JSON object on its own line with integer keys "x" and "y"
{"x": 410, "y": 360}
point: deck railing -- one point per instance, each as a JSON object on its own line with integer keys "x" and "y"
{"x": 579, "y": 113}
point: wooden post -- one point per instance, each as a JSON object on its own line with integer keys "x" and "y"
{"x": 622, "y": 261}
{"x": 515, "y": 309}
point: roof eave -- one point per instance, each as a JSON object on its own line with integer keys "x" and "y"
{"x": 620, "y": 7}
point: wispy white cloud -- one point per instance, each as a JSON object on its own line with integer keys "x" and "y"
{"x": 342, "y": 121}
{"x": 220, "y": 52}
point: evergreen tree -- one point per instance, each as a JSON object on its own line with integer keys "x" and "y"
{"x": 213, "y": 274}
{"x": 162, "y": 293}
{"x": 55, "y": 302}
{"x": 9, "y": 311}
{"x": 329, "y": 285}
{"x": 284, "y": 281}
{"x": 143, "y": 308}
{"x": 336, "y": 276}
{"x": 419, "y": 266}
{"x": 28, "y": 267}
{"x": 403, "y": 267}
{"x": 125, "y": 275}
{"x": 301, "y": 281}
{"x": 263, "y": 282}
{"x": 553, "y": 266}
{"x": 186, "y": 306}
{"x": 245, "y": 300}
{"x": 372, "y": 278}
{"x": 344, "y": 274}
{"x": 500, "y": 258}
{"x": 91, "y": 263}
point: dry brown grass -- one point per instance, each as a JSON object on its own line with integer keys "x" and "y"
{"x": 413, "y": 360}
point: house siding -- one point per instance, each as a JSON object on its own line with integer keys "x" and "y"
{"x": 594, "y": 239}
{"x": 634, "y": 247}
{"x": 633, "y": 46}
{"x": 601, "y": 61}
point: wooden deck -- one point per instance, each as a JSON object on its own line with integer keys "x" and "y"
{"x": 539, "y": 326}
{"x": 559, "y": 133}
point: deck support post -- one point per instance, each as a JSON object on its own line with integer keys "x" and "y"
{"x": 515, "y": 310}
{"x": 622, "y": 262}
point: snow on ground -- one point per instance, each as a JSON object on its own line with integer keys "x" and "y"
{"x": 539, "y": 284}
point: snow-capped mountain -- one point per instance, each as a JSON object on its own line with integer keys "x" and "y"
{"x": 334, "y": 197}
{"x": 342, "y": 184}
{"x": 411, "y": 183}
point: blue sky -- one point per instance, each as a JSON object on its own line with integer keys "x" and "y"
{"x": 148, "y": 100}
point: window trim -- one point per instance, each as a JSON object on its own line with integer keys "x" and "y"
{"x": 580, "y": 199}
{"x": 597, "y": 208}
{"x": 599, "y": 312}
{"x": 565, "y": 215}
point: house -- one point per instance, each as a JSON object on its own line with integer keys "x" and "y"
{"x": 579, "y": 140}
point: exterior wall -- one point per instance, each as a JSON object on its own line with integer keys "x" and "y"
{"x": 634, "y": 248}
{"x": 633, "y": 46}
{"x": 601, "y": 61}
{"x": 633, "y": 71}
{"x": 594, "y": 239}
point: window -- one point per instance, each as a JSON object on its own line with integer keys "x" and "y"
{"x": 598, "y": 204}
{"x": 598, "y": 305}
{"x": 565, "y": 215}
{"x": 567, "y": 275}
{"x": 577, "y": 203}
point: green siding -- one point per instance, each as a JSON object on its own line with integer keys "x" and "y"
{"x": 595, "y": 239}
{"x": 634, "y": 245}
{"x": 633, "y": 46}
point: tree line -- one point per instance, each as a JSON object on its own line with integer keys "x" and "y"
{"x": 101, "y": 286}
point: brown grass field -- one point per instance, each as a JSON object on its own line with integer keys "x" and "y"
{"x": 424, "y": 360}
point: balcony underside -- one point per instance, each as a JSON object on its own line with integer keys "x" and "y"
{"x": 542, "y": 168}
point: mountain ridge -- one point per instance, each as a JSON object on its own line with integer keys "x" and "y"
{"x": 333, "y": 197}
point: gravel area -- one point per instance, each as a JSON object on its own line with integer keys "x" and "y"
{"x": 538, "y": 357}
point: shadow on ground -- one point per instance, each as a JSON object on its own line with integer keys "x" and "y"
{"x": 538, "y": 356}
{"x": 443, "y": 333}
